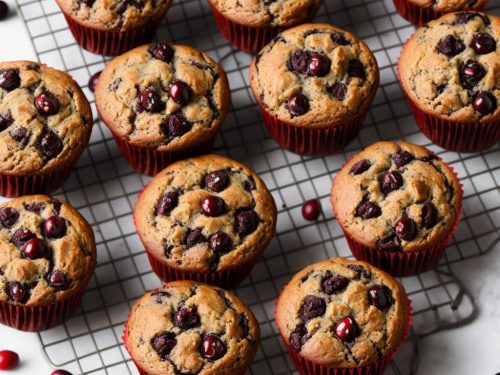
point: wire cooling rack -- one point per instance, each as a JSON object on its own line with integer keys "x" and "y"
{"x": 104, "y": 188}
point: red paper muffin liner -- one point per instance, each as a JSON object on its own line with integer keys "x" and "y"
{"x": 39, "y": 318}
{"x": 112, "y": 43}
{"x": 150, "y": 162}
{"x": 418, "y": 15}
{"x": 311, "y": 141}
{"x": 306, "y": 367}
{"x": 15, "y": 186}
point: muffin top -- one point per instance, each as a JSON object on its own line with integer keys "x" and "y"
{"x": 47, "y": 251}
{"x": 343, "y": 314}
{"x": 114, "y": 15}
{"x": 261, "y": 13}
{"x": 186, "y": 327}
{"x": 45, "y": 119}
{"x": 204, "y": 214}
{"x": 315, "y": 75}
{"x": 446, "y": 6}
{"x": 396, "y": 196}
{"x": 163, "y": 96}
{"x": 451, "y": 67}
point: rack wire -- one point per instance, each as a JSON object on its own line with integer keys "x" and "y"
{"x": 104, "y": 188}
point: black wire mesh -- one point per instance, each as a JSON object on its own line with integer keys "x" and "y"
{"x": 104, "y": 188}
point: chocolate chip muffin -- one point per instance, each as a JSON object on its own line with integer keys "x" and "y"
{"x": 111, "y": 27}
{"x": 342, "y": 314}
{"x": 191, "y": 328}
{"x": 47, "y": 257}
{"x": 449, "y": 72}
{"x": 45, "y": 124}
{"x": 397, "y": 199}
{"x": 162, "y": 102}
{"x": 314, "y": 84}
{"x": 207, "y": 218}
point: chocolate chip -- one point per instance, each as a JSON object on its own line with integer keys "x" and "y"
{"x": 220, "y": 243}
{"x": 8, "y": 216}
{"x": 485, "y": 103}
{"x": 361, "y": 166}
{"x": 391, "y": 181}
{"x": 150, "y": 100}
{"x": 162, "y": 51}
{"x": 334, "y": 283}
{"x": 340, "y": 39}
{"x": 406, "y": 229}
{"x": 167, "y": 203}
{"x": 246, "y": 222}
{"x": 50, "y": 144}
{"x": 194, "y": 237}
{"x": 298, "y": 337}
{"x": 177, "y": 125}
{"x": 402, "y": 158}
{"x": 163, "y": 343}
{"x": 429, "y": 215}
{"x": 217, "y": 180}
{"x": 312, "y": 307}
{"x": 470, "y": 74}
{"x": 368, "y": 210}
{"x": 186, "y": 318}
{"x": 299, "y": 62}
{"x": 5, "y": 120}
{"x": 298, "y": 105}
{"x": 47, "y": 104}
{"x": 338, "y": 91}
{"x": 450, "y": 46}
{"x": 483, "y": 43}
{"x": 9, "y": 79}
{"x": 356, "y": 69}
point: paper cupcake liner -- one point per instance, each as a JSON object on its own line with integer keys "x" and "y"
{"x": 150, "y": 162}
{"x": 15, "y": 186}
{"x": 306, "y": 367}
{"x": 311, "y": 141}
{"x": 418, "y": 15}
{"x": 39, "y": 318}
{"x": 112, "y": 43}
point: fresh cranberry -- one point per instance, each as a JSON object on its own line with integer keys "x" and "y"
{"x": 46, "y": 104}
{"x": 312, "y": 307}
{"x": 356, "y": 69}
{"x": 299, "y": 62}
{"x": 406, "y": 229}
{"x": 8, "y": 360}
{"x": 217, "y": 180}
{"x": 246, "y": 222}
{"x": 177, "y": 125}
{"x": 212, "y": 347}
{"x": 6, "y": 120}
{"x": 361, "y": 166}
{"x": 93, "y": 81}
{"x": 34, "y": 248}
{"x": 334, "y": 284}
{"x": 391, "y": 181}
{"x": 311, "y": 209}
{"x": 485, "y": 103}
{"x": 379, "y": 296}
{"x": 54, "y": 227}
{"x": 429, "y": 215}
{"x": 483, "y": 43}
{"x": 58, "y": 280}
{"x": 338, "y": 91}
{"x": 50, "y": 144}
{"x": 18, "y": 292}
{"x": 450, "y": 46}
{"x": 346, "y": 329}
{"x": 470, "y": 74}
{"x": 161, "y": 51}
{"x": 319, "y": 65}
{"x": 150, "y": 100}
{"x": 212, "y": 205}
{"x": 8, "y": 217}
{"x": 402, "y": 158}
{"x": 163, "y": 343}
{"x": 220, "y": 242}
{"x": 179, "y": 92}
{"x": 298, "y": 105}
{"x": 194, "y": 237}
{"x": 368, "y": 210}
{"x": 4, "y": 10}
{"x": 186, "y": 318}
{"x": 167, "y": 203}
{"x": 9, "y": 79}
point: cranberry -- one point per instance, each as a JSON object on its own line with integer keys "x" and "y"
{"x": 20, "y": 135}
{"x": 312, "y": 307}
{"x": 179, "y": 92}
{"x": 368, "y": 210}
{"x": 177, "y": 125}
{"x": 5, "y": 120}
{"x": 93, "y": 81}
{"x": 356, "y": 69}
{"x": 465, "y": 17}
{"x": 298, "y": 337}
{"x": 485, "y": 103}
{"x": 319, "y": 65}
{"x": 311, "y": 209}
{"x": 357, "y": 268}
{"x": 36, "y": 207}
{"x": 249, "y": 184}
{"x": 338, "y": 91}
{"x": 58, "y": 280}
{"x": 8, "y": 360}
{"x": 361, "y": 166}
{"x": 161, "y": 51}
{"x": 163, "y": 343}
{"x": 18, "y": 292}
{"x": 470, "y": 74}
{"x": 429, "y": 215}
{"x": 346, "y": 329}
{"x": 483, "y": 43}
{"x": 89, "y": 3}
{"x": 186, "y": 318}
{"x": 9, "y": 79}
{"x": 220, "y": 242}
{"x": 391, "y": 181}
{"x": 21, "y": 236}
{"x": 50, "y": 144}
{"x": 388, "y": 243}
{"x": 34, "y": 248}
{"x": 194, "y": 237}
{"x": 334, "y": 284}
{"x": 4, "y": 10}
{"x": 212, "y": 205}
{"x": 402, "y": 158}
{"x": 217, "y": 181}
{"x": 246, "y": 222}
{"x": 299, "y": 62}
{"x": 8, "y": 216}
{"x": 340, "y": 39}
{"x": 406, "y": 229}
{"x": 46, "y": 104}
{"x": 54, "y": 227}
{"x": 298, "y": 105}
{"x": 450, "y": 46}
{"x": 212, "y": 347}
{"x": 379, "y": 296}
{"x": 60, "y": 372}
{"x": 150, "y": 100}
{"x": 167, "y": 203}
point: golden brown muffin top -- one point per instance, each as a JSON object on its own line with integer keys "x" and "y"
{"x": 396, "y": 196}
{"x": 186, "y": 327}
{"x": 262, "y": 13}
{"x": 45, "y": 119}
{"x": 204, "y": 214}
{"x": 343, "y": 314}
{"x": 446, "y": 6}
{"x": 114, "y": 15}
{"x": 451, "y": 67}
{"x": 163, "y": 96}
{"x": 315, "y": 75}
{"x": 47, "y": 251}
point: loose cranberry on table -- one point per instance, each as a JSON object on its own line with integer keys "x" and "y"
{"x": 8, "y": 360}
{"x": 4, "y": 10}
{"x": 311, "y": 209}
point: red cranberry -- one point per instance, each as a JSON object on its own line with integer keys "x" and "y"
{"x": 338, "y": 91}
{"x": 483, "y": 43}
{"x": 5, "y": 120}
{"x": 402, "y": 158}
{"x": 60, "y": 372}
{"x": 4, "y": 10}
{"x": 249, "y": 184}
{"x": 163, "y": 343}
{"x": 450, "y": 46}
{"x": 177, "y": 125}
{"x": 368, "y": 210}
{"x": 319, "y": 65}
{"x": 179, "y": 92}
{"x": 485, "y": 103}
{"x": 36, "y": 207}
{"x": 8, "y": 216}
{"x": 18, "y": 292}
{"x": 212, "y": 347}
{"x": 470, "y": 74}
{"x": 21, "y": 236}
{"x": 217, "y": 181}
{"x": 9, "y": 79}
{"x": 346, "y": 329}
{"x": 391, "y": 181}
{"x": 246, "y": 222}
{"x": 429, "y": 215}
{"x": 299, "y": 62}
{"x": 298, "y": 105}
{"x": 360, "y": 167}
{"x": 161, "y": 51}
{"x": 406, "y": 229}
{"x": 379, "y": 296}
{"x": 356, "y": 69}
{"x": 93, "y": 81}
{"x": 150, "y": 100}
{"x": 340, "y": 39}
{"x": 298, "y": 337}
{"x": 220, "y": 242}
{"x": 167, "y": 203}
{"x": 194, "y": 237}
{"x": 334, "y": 284}
{"x": 212, "y": 205}
{"x": 20, "y": 135}
{"x": 465, "y": 17}
{"x": 89, "y": 3}
{"x": 312, "y": 307}
{"x": 186, "y": 318}
{"x": 51, "y": 145}
{"x": 8, "y": 360}
{"x": 388, "y": 243}
{"x": 57, "y": 280}
{"x": 54, "y": 227}
{"x": 47, "y": 104}
{"x": 311, "y": 209}
{"x": 34, "y": 248}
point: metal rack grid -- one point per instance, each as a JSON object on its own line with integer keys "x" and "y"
{"x": 104, "y": 188}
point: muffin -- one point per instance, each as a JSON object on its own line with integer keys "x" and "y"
{"x": 206, "y": 219}
{"x": 449, "y": 71}
{"x": 45, "y": 124}
{"x": 419, "y": 12}
{"x": 186, "y": 327}
{"x": 47, "y": 257}
{"x": 398, "y": 205}
{"x": 342, "y": 317}
{"x": 314, "y": 84}
{"x": 251, "y": 24}
{"x": 112, "y": 27}
{"x": 162, "y": 103}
